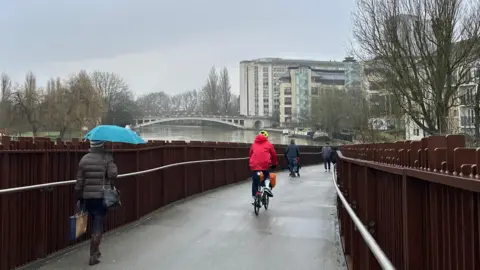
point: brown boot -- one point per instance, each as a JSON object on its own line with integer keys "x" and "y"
{"x": 94, "y": 249}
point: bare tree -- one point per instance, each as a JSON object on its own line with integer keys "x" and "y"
{"x": 28, "y": 100}
{"x": 6, "y": 112}
{"x": 110, "y": 86}
{"x": 190, "y": 101}
{"x": 119, "y": 101}
{"x": 210, "y": 94}
{"x": 72, "y": 104}
{"x": 155, "y": 104}
{"x": 329, "y": 108}
{"x": 422, "y": 50}
{"x": 225, "y": 91}
{"x": 359, "y": 116}
{"x": 176, "y": 103}
{"x": 235, "y": 106}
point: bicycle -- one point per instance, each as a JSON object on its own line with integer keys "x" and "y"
{"x": 261, "y": 199}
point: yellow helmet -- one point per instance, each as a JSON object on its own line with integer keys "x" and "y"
{"x": 264, "y": 133}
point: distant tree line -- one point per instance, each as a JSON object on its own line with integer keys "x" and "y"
{"x": 65, "y": 106}
{"x": 214, "y": 98}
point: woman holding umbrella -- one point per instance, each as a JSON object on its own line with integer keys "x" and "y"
{"x": 96, "y": 172}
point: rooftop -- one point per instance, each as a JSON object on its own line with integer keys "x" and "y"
{"x": 323, "y": 74}
{"x": 294, "y": 61}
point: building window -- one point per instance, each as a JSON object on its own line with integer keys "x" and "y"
{"x": 288, "y": 101}
{"x": 416, "y": 132}
{"x": 315, "y": 91}
{"x": 287, "y": 111}
{"x": 288, "y": 91}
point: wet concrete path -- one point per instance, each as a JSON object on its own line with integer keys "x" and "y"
{"x": 219, "y": 230}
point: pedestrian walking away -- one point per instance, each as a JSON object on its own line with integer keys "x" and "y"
{"x": 327, "y": 156}
{"x": 292, "y": 154}
{"x": 95, "y": 171}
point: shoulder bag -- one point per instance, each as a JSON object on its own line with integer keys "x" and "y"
{"x": 111, "y": 195}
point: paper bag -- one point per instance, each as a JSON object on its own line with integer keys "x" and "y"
{"x": 78, "y": 225}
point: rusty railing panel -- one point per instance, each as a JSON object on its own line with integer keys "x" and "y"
{"x": 34, "y": 223}
{"x": 420, "y": 200}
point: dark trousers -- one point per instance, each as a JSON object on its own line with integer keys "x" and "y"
{"x": 327, "y": 161}
{"x": 97, "y": 211}
{"x": 292, "y": 164}
{"x": 256, "y": 180}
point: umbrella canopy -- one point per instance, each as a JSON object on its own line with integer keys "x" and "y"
{"x": 111, "y": 133}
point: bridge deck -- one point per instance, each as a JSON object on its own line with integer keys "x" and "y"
{"x": 220, "y": 231}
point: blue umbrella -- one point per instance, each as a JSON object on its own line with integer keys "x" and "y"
{"x": 111, "y": 133}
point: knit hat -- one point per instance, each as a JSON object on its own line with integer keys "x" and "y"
{"x": 96, "y": 144}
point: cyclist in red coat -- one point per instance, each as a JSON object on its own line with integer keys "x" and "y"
{"x": 262, "y": 157}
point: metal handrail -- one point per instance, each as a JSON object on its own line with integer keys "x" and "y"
{"x": 367, "y": 237}
{"x": 70, "y": 182}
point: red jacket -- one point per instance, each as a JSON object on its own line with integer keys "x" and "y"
{"x": 262, "y": 154}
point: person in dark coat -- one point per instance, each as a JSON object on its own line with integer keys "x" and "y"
{"x": 333, "y": 156}
{"x": 95, "y": 170}
{"x": 292, "y": 152}
{"x": 327, "y": 155}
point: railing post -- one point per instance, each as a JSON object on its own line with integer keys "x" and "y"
{"x": 214, "y": 166}
{"x": 5, "y": 250}
{"x": 185, "y": 173}
{"x": 371, "y": 222}
{"x": 226, "y": 164}
{"x": 164, "y": 177}
{"x": 202, "y": 171}
{"x": 354, "y": 200}
{"x": 349, "y": 224}
{"x": 41, "y": 249}
{"x": 137, "y": 183}
{"x": 413, "y": 215}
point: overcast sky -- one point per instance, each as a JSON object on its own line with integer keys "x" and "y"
{"x": 169, "y": 46}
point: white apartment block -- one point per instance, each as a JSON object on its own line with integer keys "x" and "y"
{"x": 260, "y": 84}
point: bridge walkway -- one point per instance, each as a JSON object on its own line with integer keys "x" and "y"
{"x": 219, "y": 230}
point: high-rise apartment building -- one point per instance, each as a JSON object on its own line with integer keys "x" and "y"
{"x": 260, "y": 84}
{"x": 300, "y": 85}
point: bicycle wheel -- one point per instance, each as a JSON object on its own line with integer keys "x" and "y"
{"x": 266, "y": 201}
{"x": 257, "y": 205}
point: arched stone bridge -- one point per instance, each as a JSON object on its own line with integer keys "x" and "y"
{"x": 242, "y": 122}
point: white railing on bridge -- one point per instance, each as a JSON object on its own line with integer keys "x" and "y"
{"x": 202, "y": 116}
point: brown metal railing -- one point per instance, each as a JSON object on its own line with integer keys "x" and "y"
{"x": 34, "y": 221}
{"x": 420, "y": 201}
{"x": 382, "y": 259}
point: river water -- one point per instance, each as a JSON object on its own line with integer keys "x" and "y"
{"x": 209, "y": 133}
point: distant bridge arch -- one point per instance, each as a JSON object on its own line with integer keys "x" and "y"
{"x": 172, "y": 119}
{"x": 242, "y": 122}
